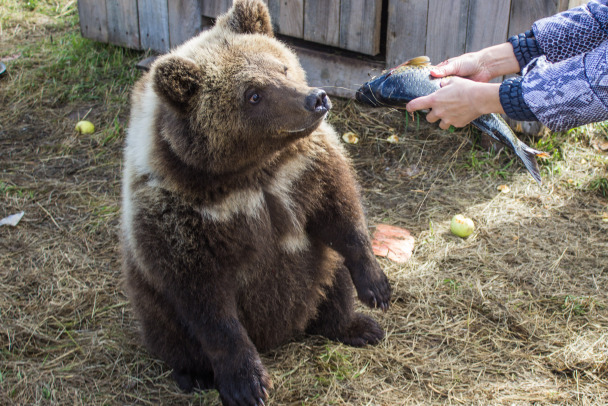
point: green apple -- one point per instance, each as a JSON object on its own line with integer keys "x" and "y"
{"x": 85, "y": 127}
{"x": 462, "y": 226}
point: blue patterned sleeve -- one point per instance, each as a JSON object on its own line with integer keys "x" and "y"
{"x": 563, "y": 35}
{"x": 572, "y": 32}
{"x": 571, "y": 92}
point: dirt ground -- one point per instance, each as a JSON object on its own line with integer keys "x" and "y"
{"x": 516, "y": 314}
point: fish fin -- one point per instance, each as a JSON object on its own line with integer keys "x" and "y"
{"x": 418, "y": 61}
{"x": 528, "y": 157}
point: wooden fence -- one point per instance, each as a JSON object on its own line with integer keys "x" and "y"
{"x": 338, "y": 41}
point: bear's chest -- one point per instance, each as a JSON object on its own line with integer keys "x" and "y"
{"x": 270, "y": 218}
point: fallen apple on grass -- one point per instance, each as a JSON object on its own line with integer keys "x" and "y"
{"x": 462, "y": 226}
{"x": 85, "y": 127}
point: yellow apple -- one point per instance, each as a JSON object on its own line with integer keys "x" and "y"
{"x": 85, "y": 127}
{"x": 462, "y": 226}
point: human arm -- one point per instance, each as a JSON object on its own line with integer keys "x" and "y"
{"x": 568, "y": 93}
{"x": 572, "y": 32}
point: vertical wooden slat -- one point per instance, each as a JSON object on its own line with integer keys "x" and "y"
{"x": 576, "y": 3}
{"x": 93, "y": 19}
{"x": 525, "y": 12}
{"x": 213, "y": 8}
{"x": 488, "y": 23}
{"x": 447, "y": 29}
{"x": 406, "y": 33}
{"x": 154, "y": 24}
{"x": 123, "y": 23}
{"x": 360, "y": 25}
{"x": 185, "y": 20}
{"x": 322, "y": 21}
{"x": 287, "y": 17}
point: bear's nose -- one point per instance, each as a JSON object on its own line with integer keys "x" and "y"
{"x": 318, "y": 101}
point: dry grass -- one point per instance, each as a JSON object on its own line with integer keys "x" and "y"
{"x": 515, "y": 314}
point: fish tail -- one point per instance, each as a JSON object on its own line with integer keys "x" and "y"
{"x": 528, "y": 157}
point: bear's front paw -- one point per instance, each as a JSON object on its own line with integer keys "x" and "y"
{"x": 244, "y": 385}
{"x": 374, "y": 290}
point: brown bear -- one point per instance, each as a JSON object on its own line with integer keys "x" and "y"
{"x": 242, "y": 225}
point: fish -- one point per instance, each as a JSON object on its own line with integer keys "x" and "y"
{"x": 412, "y": 79}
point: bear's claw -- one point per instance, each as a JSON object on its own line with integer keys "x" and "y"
{"x": 244, "y": 386}
{"x": 375, "y": 294}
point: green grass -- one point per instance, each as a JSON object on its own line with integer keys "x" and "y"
{"x": 70, "y": 68}
{"x": 489, "y": 163}
{"x": 12, "y": 190}
{"x": 337, "y": 365}
{"x": 599, "y": 185}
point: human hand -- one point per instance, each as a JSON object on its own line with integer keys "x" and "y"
{"x": 468, "y": 66}
{"x": 458, "y": 102}
{"x": 480, "y": 66}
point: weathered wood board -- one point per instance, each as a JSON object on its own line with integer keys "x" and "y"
{"x": 123, "y": 23}
{"x": 154, "y": 24}
{"x": 406, "y": 30}
{"x": 287, "y": 17}
{"x": 185, "y": 20}
{"x": 488, "y": 23}
{"x": 446, "y": 29}
{"x": 360, "y": 23}
{"x": 213, "y": 8}
{"x": 322, "y": 21}
{"x": 525, "y": 12}
{"x": 93, "y": 19}
{"x": 576, "y": 3}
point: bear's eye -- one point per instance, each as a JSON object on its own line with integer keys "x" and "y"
{"x": 254, "y": 98}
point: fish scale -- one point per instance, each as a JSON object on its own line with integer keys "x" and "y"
{"x": 412, "y": 79}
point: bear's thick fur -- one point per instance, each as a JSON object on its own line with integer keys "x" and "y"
{"x": 242, "y": 224}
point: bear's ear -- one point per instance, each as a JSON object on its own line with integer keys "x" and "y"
{"x": 247, "y": 17}
{"x": 176, "y": 80}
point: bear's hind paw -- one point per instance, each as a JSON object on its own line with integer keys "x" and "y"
{"x": 363, "y": 330}
{"x": 188, "y": 382}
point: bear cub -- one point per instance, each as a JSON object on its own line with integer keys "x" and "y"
{"x": 242, "y": 225}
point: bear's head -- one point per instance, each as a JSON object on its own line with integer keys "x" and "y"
{"x": 234, "y": 96}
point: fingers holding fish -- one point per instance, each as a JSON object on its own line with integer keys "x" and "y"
{"x": 467, "y": 66}
{"x": 457, "y": 102}
{"x": 421, "y": 103}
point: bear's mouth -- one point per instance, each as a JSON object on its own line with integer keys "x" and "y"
{"x": 307, "y": 128}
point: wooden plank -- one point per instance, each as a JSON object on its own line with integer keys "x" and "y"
{"x": 337, "y": 75}
{"x": 360, "y": 25}
{"x": 185, "y": 20}
{"x": 488, "y": 23}
{"x": 287, "y": 17}
{"x": 576, "y": 3}
{"x": 447, "y": 29}
{"x": 154, "y": 24}
{"x": 525, "y": 12}
{"x": 406, "y": 33}
{"x": 93, "y": 19}
{"x": 213, "y": 8}
{"x": 322, "y": 21}
{"x": 123, "y": 23}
